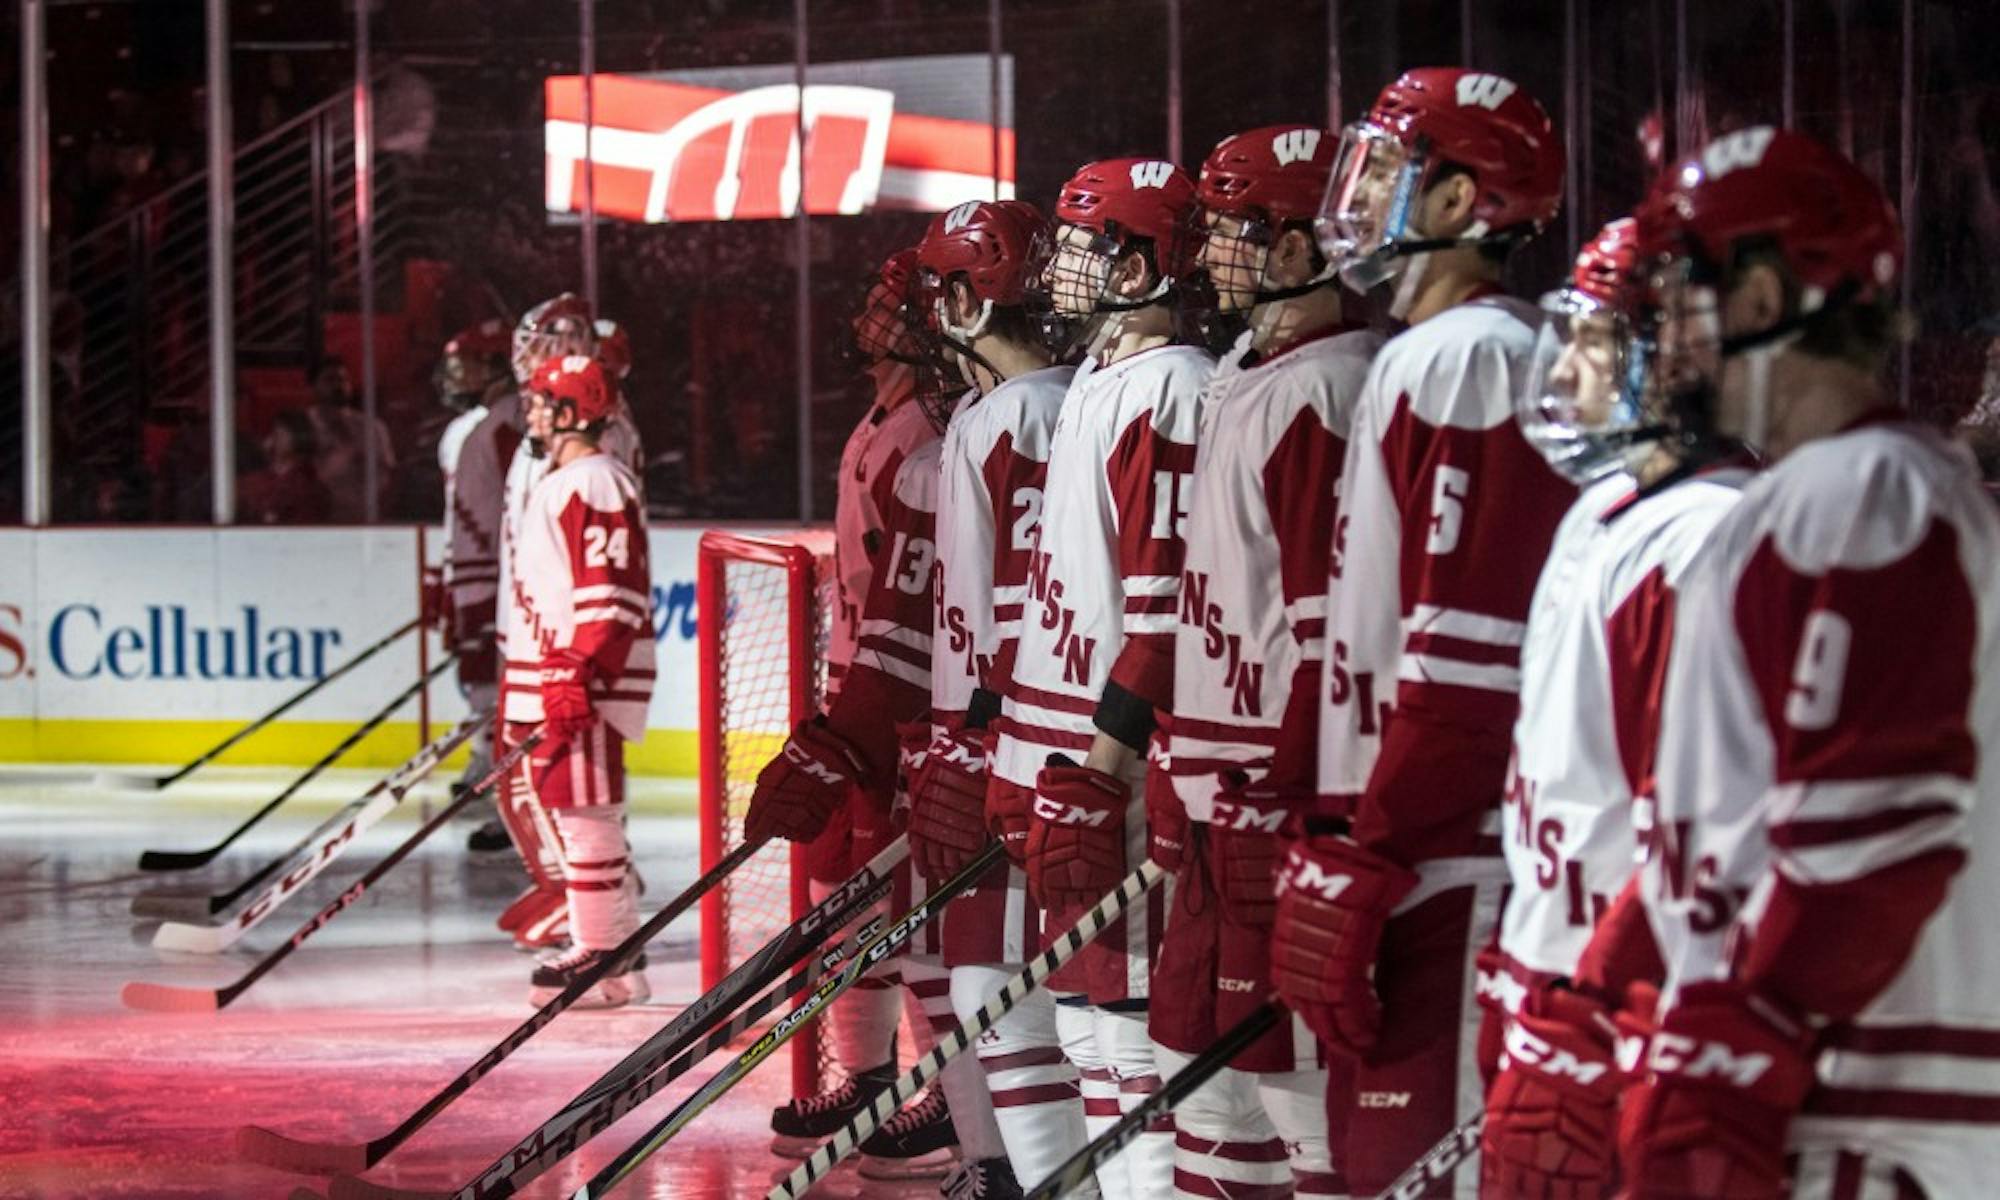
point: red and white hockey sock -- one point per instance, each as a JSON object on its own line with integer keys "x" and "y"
{"x": 929, "y": 987}
{"x": 1224, "y": 1144}
{"x": 1125, "y": 1048}
{"x": 1296, "y": 1104}
{"x": 1032, "y": 1084}
{"x": 1076, "y": 1024}
{"x": 861, "y": 1024}
{"x": 602, "y": 910}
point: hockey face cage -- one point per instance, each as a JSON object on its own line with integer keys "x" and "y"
{"x": 1584, "y": 406}
{"x": 555, "y": 328}
{"x": 1236, "y": 253}
{"x": 465, "y": 380}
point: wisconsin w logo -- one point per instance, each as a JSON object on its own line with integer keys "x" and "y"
{"x": 1744, "y": 148}
{"x": 1151, "y": 174}
{"x": 1486, "y": 91}
{"x": 958, "y": 218}
{"x": 1295, "y": 145}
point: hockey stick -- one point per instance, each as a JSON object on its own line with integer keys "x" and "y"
{"x": 1082, "y": 1166}
{"x": 381, "y": 799}
{"x": 159, "y": 997}
{"x": 258, "y": 1144}
{"x": 601, "y": 1104}
{"x": 1438, "y": 1162}
{"x": 183, "y": 906}
{"x": 156, "y": 782}
{"x": 187, "y": 860}
{"x": 1030, "y": 977}
{"x": 882, "y": 946}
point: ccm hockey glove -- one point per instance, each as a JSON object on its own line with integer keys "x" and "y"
{"x": 1167, "y": 827}
{"x": 1076, "y": 838}
{"x": 566, "y": 709}
{"x": 1552, "y": 1113}
{"x": 948, "y": 803}
{"x": 1334, "y": 896}
{"x": 799, "y": 789}
{"x": 1246, "y": 831}
{"x": 1723, "y": 1074}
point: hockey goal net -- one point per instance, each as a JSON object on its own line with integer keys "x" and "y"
{"x": 766, "y": 606}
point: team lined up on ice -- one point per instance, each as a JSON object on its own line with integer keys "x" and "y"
{"x": 1530, "y": 700}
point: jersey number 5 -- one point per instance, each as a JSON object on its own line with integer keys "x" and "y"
{"x": 1449, "y": 488}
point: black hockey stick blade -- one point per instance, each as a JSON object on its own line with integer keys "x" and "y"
{"x": 1082, "y": 1166}
{"x": 188, "y": 860}
{"x": 172, "y": 906}
{"x": 276, "y": 1150}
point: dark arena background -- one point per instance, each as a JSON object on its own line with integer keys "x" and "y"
{"x": 236, "y": 890}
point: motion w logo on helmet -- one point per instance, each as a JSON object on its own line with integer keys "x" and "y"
{"x": 1295, "y": 145}
{"x": 1486, "y": 91}
{"x": 1151, "y": 174}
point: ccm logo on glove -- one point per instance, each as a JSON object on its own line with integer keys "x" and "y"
{"x": 1049, "y": 809}
{"x": 1529, "y": 1050}
{"x": 1305, "y": 875}
{"x": 1675, "y": 1054}
{"x": 807, "y": 764}
{"x": 1243, "y": 818}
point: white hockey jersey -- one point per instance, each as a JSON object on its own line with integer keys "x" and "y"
{"x": 893, "y": 427}
{"x": 1445, "y": 515}
{"x": 581, "y": 582}
{"x": 1252, "y": 623}
{"x": 475, "y": 499}
{"x": 995, "y": 462}
{"x": 1832, "y": 709}
{"x": 1591, "y": 667}
{"x": 620, "y": 440}
{"x": 1104, "y": 578}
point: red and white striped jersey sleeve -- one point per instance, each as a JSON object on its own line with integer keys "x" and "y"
{"x": 1450, "y": 502}
{"x": 890, "y": 677}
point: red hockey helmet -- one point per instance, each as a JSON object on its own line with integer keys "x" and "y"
{"x": 554, "y": 328}
{"x": 614, "y": 347}
{"x": 1830, "y": 224}
{"x": 992, "y": 245}
{"x": 1119, "y": 198}
{"x": 578, "y": 386}
{"x": 1430, "y": 118}
{"x": 1252, "y": 185}
{"x": 888, "y": 324}
{"x": 1584, "y": 405}
{"x": 473, "y": 365}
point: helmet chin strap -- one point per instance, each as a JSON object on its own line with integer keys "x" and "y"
{"x": 1408, "y": 280}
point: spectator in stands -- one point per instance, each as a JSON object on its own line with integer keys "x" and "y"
{"x": 288, "y": 490}
{"x": 342, "y": 434}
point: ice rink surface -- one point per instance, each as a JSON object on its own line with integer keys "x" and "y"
{"x": 340, "y": 1042}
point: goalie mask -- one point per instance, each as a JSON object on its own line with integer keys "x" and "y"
{"x": 1108, "y": 211}
{"x": 1585, "y": 404}
{"x": 1428, "y": 120}
{"x": 569, "y": 395}
{"x": 473, "y": 369}
{"x": 556, "y": 327}
{"x": 1760, "y": 196}
{"x": 1254, "y": 187}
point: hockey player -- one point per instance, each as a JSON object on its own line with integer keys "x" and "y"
{"x": 861, "y": 1025}
{"x": 1243, "y": 737}
{"x": 580, "y": 607}
{"x": 1094, "y": 663}
{"x": 1591, "y": 667}
{"x": 554, "y": 328}
{"x": 1445, "y": 515}
{"x": 977, "y": 263}
{"x": 1827, "y": 785}
{"x": 471, "y": 378}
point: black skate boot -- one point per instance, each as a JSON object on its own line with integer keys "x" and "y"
{"x": 619, "y": 988}
{"x": 985, "y": 1179}
{"x": 916, "y": 1143}
{"x": 799, "y": 1127}
{"x": 489, "y": 839}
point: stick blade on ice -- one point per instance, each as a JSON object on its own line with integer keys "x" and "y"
{"x": 170, "y": 906}
{"x": 194, "y": 939}
{"x": 123, "y": 781}
{"x": 254, "y": 1143}
{"x": 160, "y": 997}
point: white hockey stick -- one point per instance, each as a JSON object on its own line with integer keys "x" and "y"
{"x": 379, "y": 801}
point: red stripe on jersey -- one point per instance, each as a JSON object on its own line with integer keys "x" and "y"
{"x": 1895, "y": 1104}
{"x": 1956, "y": 1040}
{"x": 1793, "y": 835}
{"x": 1042, "y": 735}
{"x": 1152, "y": 604}
{"x": 1058, "y": 701}
{"x": 1485, "y": 654}
{"x": 1224, "y": 731}
{"x": 1638, "y": 636}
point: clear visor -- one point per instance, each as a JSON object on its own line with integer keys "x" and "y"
{"x": 1368, "y": 203}
{"x": 1583, "y": 405}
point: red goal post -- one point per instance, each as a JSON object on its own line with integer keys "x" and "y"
{"x": 764, "y": 619}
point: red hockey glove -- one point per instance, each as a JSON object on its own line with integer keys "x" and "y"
{"x": 1008, "y": 810}
{"x": 1724, "y": 1074}
{"x": 566, "y": 709}
{"x": 1166, "y": 816}
{"x": 1333, "y": 899}
{"x": 433, "y": 606}
{"x": 1076, "y": 839}
{"x": 1552, "y": 1113}
{"x": 948, "y": 803}
{"x": 801, "y": 787}
{"x": 1246, "y": 831}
